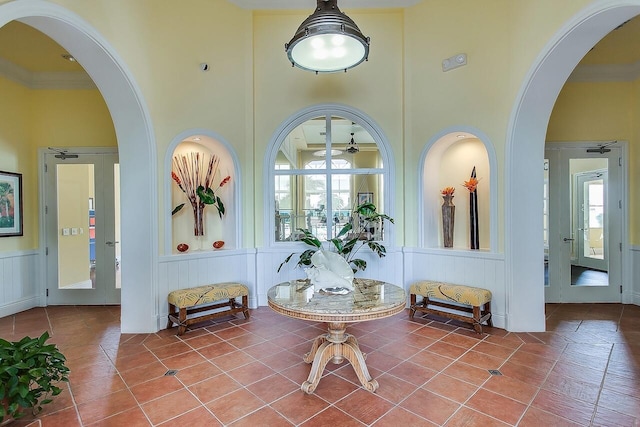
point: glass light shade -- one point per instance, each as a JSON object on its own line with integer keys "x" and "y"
{"x": 327, "y": 41}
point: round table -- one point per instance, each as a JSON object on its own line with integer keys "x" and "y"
{"x": 369, "y": 300}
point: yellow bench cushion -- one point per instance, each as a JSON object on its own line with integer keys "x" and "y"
{"x": 446, "y": 291}
{"x": 205, "y": 294}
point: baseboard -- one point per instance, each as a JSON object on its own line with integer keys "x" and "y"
{"x": 18, "y": 306}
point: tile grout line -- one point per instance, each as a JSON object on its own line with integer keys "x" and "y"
{"x": 463, "y": 404}
{"x": 604, "y": 376}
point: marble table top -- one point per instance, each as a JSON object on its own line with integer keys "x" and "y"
{"x": 370, "y": 299}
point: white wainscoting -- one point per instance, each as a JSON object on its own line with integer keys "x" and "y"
{"x": 203, "y": 268}
{"x": 633, "y": 295}
{"x": 18, "y": 282}
{"x": 19, "y": 289}
{"x": 472, "y": 268}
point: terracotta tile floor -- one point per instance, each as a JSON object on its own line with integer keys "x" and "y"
{"x": 584, "y": 371}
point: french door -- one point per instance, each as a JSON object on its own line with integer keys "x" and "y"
{"x": 82, "y": 228}
{"x": 585, "y": 224}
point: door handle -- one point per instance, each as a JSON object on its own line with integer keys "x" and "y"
{"x": 111, "y": 243}
{"x": 566, "y": 239}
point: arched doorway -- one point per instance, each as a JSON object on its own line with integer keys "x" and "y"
{"x": 135, "y": 143}
{"x": 524, "y": 159}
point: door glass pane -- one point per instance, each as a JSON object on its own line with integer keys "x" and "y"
{"x": 76, "y": 226}
{"x": 589, "y": 259}
{"x": 545, "y": 221}
{"x": 116, "y": 204}
{"x": 593, "y": 217}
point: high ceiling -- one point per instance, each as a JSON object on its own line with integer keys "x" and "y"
{"x": 29, "y": 49}
{"x": 33, "y": 51}
{"x": 620, "y": 46}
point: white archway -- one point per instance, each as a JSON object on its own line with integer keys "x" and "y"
{"x": 525, "y": 155}
{"x": 136, "y": 146}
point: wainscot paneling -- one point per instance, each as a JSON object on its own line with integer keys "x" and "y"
{"x": 632, "y": 294}
{"x": 472, "y": 268}
{"x": 18, "y": 285}
{"x": 203, "y": 268}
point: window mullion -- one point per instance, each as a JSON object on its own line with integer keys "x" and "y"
{"x": 329, "y": 173}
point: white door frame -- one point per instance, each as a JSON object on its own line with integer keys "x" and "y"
{"x": 80, "y": 296}
{"x": 557, "y": 152}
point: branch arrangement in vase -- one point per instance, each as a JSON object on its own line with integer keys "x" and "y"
{"x": 348, "y": 241}
{"x": 195, "y": 173}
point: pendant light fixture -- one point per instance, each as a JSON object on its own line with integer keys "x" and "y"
{"x": 352, "y": 147}
{"x": 327, "y": 41}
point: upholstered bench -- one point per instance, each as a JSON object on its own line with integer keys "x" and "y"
{"x": 467, "y": 299}
{"x": 185, "y": 302}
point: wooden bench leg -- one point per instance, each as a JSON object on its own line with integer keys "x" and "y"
{"x": 182, "y": 326}
{"x": 477, "y": 326}
{"x": 171, "y": 311}
{"x": 412, "y": 306}
{"x": 245, "y": 306}
{"x": 487, "y": 310}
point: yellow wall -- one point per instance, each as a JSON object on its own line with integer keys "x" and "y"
{"x": 15, "y": 157}
{"x": 634, "y": 167}
{"x": 30, "y": 119}
{"x": 163, "y": 43}
{"x": 602, "y": 112}
{"x": 251, "y": 88}
{"x": 502, "y": 39}
{"x": 374, "y": 87}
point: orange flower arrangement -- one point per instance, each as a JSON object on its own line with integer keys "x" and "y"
{"x": 471, "y": 185}
{"x": 448, "y": 191}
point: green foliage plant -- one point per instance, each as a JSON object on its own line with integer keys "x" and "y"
{"x": 30, "y": 372}
{"x": 348, "y": 241}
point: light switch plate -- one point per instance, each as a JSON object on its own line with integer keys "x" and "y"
{"x": 66, "y": 232}
{"x": 74, "y": 231}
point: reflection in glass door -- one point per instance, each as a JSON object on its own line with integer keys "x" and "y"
{"x": 591, "y": 220}
{"x": 82, "y": 229}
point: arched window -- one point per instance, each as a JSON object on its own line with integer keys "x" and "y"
{"x": 324, "y": 163}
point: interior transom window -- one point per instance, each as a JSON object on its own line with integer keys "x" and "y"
{"x": 324, "y": 168}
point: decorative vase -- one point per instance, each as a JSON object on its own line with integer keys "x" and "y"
{"x": 448, "y": 217}
{"x": 198, "y": 218}
{"x": 474, "y": 237}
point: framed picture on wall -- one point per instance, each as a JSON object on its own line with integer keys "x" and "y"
{"x": 10, "y": 204}
{"x": 365, "y": 198}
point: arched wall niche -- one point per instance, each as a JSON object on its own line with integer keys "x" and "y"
{"x": 180, "y": 227}
{"x": 447, "y": 161}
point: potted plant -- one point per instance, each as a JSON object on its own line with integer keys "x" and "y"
{"x": 349, "y": 240}
{"x": 30, "y": 371}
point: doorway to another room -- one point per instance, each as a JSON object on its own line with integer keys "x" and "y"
{"x": 82, "y": 227}
{"x": 583, "y": 223}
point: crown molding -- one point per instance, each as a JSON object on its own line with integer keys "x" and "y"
{"x": 606, "y": 73}
{"x": 45, "y": 80}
